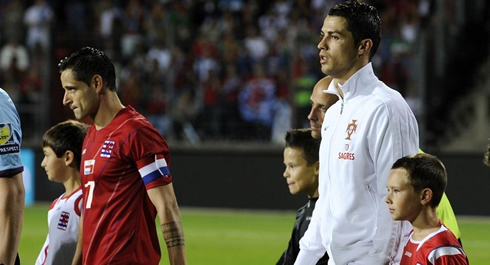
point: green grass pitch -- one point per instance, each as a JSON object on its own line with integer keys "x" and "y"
{"x": 239, "y": 237}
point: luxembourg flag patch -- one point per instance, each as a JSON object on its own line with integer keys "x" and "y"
{"x": 88, "y": 167}
{"x": 63, "y": 221}
{"x": 107, "y": 147}
{"x": 157, "y": 168}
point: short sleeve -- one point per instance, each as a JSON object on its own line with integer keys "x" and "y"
{"x": 10, "y": 138}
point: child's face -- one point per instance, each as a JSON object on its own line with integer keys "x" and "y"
{"x": 55, "y": 167}
{"x": 403, "y": 202}
{"x": 299, "y": 176}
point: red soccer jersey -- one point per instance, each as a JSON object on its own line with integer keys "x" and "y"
{"x": 119, "y": 163}
{"x": 441, "y": 248}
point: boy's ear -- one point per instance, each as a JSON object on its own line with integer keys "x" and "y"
{"x": 426, "y": 196}
{"x": 69, "y": 158}
{"x": 317, "y": 168}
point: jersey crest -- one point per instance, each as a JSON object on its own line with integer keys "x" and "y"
{"x": 63, "y": 222}
{"x": 88, "y": 167}
{"x": 107, "y": 149}
{"x": 351, "y": 128}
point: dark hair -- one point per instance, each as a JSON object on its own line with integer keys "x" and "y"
{"x": 66, "y": 136}
{"x": 362, "y": 20}
{"x": 425, "y": 171}
{"x": 88, "y": 62}
{"x": 302, "y": 139}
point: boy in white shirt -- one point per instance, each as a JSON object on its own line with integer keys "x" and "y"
{"x": 62, "y": 146}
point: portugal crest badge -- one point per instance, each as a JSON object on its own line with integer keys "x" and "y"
{"x": 351, "y": 128}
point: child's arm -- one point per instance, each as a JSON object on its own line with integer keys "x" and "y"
{"x": 77, "y": 258}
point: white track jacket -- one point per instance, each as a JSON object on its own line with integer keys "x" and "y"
{"x": 362, "y": 136}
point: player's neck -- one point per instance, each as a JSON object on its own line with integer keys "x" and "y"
{"x": 109, "y": 106}
{"x": 336, "y": 85}
{"x": 72, "y": 183}
{"x": 313, "y": 193}
{"x": 358, "y": 65}
{"x": 426, "y": 223}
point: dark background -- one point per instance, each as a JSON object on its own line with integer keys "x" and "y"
{"x": 248, "y": 178}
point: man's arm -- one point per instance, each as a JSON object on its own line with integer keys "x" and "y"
{"x": 77, "y": 258}
{"x": 163, "y": 197}
{"x": 12, "y": 195}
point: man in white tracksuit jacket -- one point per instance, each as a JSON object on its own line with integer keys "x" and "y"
{"x": 363, "y": 134}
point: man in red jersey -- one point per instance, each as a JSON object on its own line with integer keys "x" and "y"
{"x": 124, "y": 170}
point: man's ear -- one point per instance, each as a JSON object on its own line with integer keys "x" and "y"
{"x": 426, "y": 196}
{"x": 317, "y": 168}
{"x": 69, "y": 158}
{"x": 97, "y": 83}
{"x": 365, "y": 47}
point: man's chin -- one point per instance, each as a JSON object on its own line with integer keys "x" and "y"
{"x": 324, "y": 69}
{"x": 316, "y": 134}
{"x": 78, "y": 115}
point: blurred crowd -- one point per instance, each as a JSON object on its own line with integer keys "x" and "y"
{"x": 198, "y": 69}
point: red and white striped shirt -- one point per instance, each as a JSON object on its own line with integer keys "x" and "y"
{"x": 440, "y": 247}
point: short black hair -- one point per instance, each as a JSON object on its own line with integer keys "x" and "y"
{"x": 302, "y": 139}
{"x": 66, "y": 136}
{"x": 362, "y": 20}
{"x": 425, "y": 171}
{"x": 88, "y": 62}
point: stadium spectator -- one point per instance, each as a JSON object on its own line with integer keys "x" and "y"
{"x": 133, "y": 27}
{"x": 366, "y": 131}
{"x": 255, "y": 44}
{"x": 13, "y": 16}
{"x": 184, "y": 113}
{"x": 14, "y": 54}
{"x": 156, "y": 23}
{"x": 11, "y": 184}
{"x": 108, "y": 16}
{"x": 301, "y": 174}
{"x": 38, "y": 18}
{"x": 122, "y": 28}
{"x": 231, "y": 121}
{"x": 256, "y": 103}
{"x": 62, "y": 148}
{"x": 14, "y": 61}
{"x": 126, "y": 180}
{"x": 415, "y": 187}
